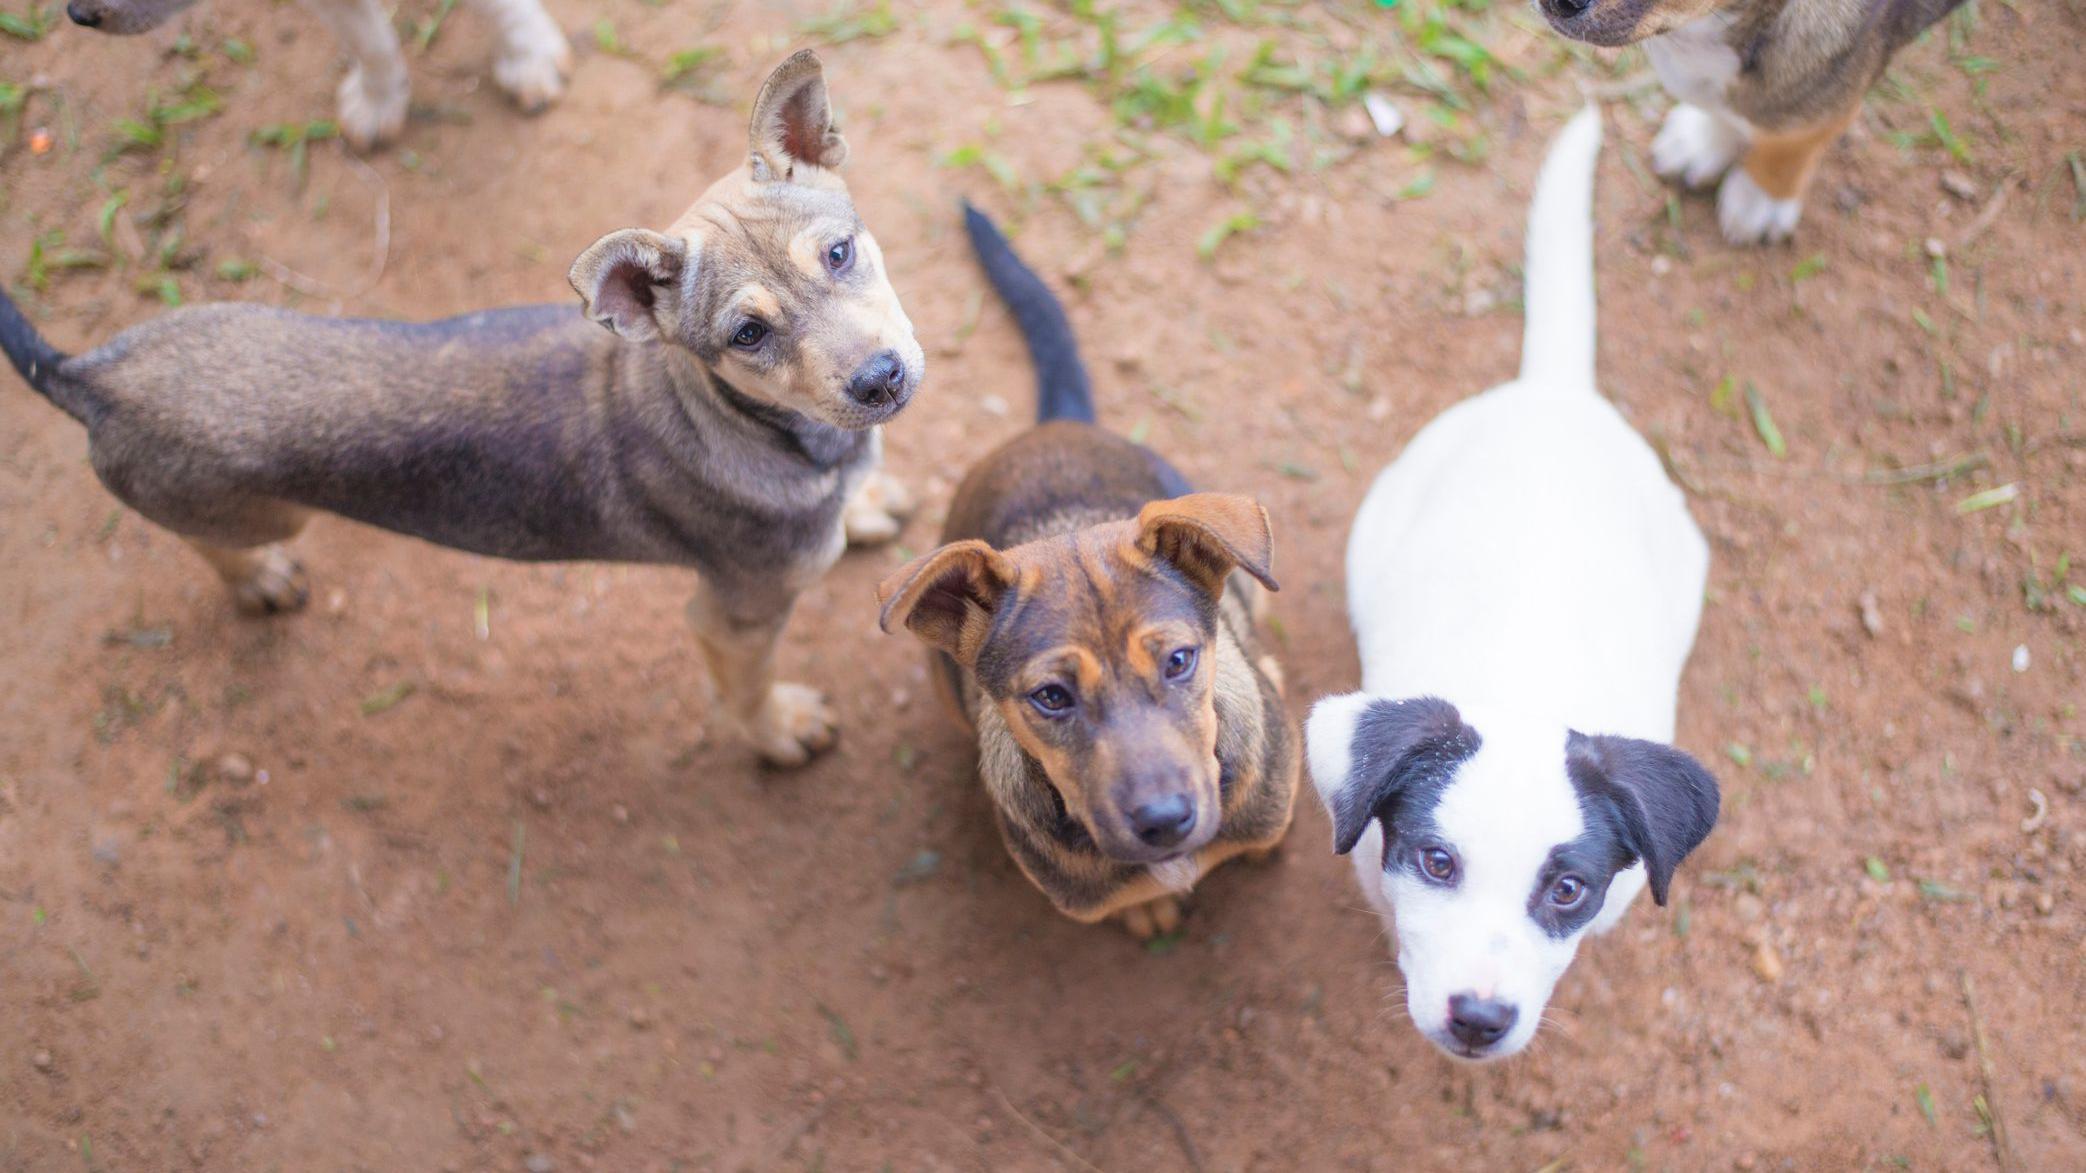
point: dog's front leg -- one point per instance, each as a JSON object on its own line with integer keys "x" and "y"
{"x": 877, "y": 511}
{"x": 533, "y": 59}
{"x": 373, "y": 96}
{"x": 788, "y": 724}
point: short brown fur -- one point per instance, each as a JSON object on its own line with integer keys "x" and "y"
{"x": 1096, "y": 589}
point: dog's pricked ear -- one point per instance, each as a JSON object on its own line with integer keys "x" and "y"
{"x": 628, "y": 279}
{"x": 1666, "y": 800}
{"x": 793, "y": 121}
{"x": 1208, "y": 535}
{"x": 938, "y": 594}
{"x": 1364, "y": 751}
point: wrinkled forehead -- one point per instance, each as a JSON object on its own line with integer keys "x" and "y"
{"x": 1510, "y": 805}
{"x": 1086, "y": 590}
{"x": 773, "y": 233}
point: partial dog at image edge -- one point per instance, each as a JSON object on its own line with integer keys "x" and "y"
{"x": 1763, "y": 88}
{"x": 1093, "y": 620}
{"x": 531, "y": 63}
{"x": 1525, "y": 585}
{"x": 727, "y": 419}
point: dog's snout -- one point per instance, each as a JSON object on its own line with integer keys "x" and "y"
{"x": 1480, "y": 1022}
{"x": 1164, "y": 822}
{"x": 878, "y": 380}
{"x": 84, "y": 15}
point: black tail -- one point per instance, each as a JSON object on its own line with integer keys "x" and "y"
{"x": 36, "y": 359}
{"x": 1062, "y": 391}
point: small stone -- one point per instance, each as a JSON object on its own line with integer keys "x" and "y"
{"x": 2046, "y": 902}
{"x": 538, "y": 1163}
{"x": 1383, "y": 114}
{"x": 41, "y": 1060}
{"x": 235, "y": 769}
{"x": 640, "y": 1018}
{"x": 2020, "y": 660}
{"x": 540, "y": 798}
{"x": 620, "y": 813}
{"x": 1871, "y": 614}
{"x": 1959, "y": 185}
{"x": 1936, "y": 248}
{"x": 1661, "y": 265}
{"x": 1767, "y": 963}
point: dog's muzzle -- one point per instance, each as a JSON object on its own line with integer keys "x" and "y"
{"x": 879, "y": 382}
{"x": 1609, "y": 23}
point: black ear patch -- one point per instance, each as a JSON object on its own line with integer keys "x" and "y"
{"x": 1400, "y": 748}
{"x": 1666, "y": 801}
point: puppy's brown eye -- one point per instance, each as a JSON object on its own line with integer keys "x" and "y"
{"x": 749, "y": 335}
{"x": 1567, "y": 891}
{"x": 840, "y": 256}
{"x": 1052, "y": 700}
{"x": 1180, "y": 663}
{"x": 1438, "y": 864}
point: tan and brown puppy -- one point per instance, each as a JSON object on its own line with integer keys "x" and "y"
{"x": 1093, "y": 620}
{"x": 1766, "y": 85}
{"x": 726, "y": 420}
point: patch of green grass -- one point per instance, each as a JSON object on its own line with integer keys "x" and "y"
{"x": 295, "y": 139}
{"x": 31, "y": 23}
{"x": 1764, "y": 423}
{"x": 1207, "y": 245}
{"x": 851, "y": 23}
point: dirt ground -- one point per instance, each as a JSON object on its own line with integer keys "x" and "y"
{"x": 449, "y": 872}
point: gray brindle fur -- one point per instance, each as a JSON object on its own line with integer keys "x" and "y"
{"x": 534, "y": 434}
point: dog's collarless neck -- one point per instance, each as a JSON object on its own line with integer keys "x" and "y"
{"x": 822, "y": 446}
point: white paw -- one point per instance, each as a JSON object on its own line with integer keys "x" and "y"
{"x": 533, "y": 64}
{"x": 794, "y": 725}
{"x": 1751, "y": 216}
{"x": 372, "y": 109}
{"x": 877, "y": 511}
{"x": 1695, "y": 146}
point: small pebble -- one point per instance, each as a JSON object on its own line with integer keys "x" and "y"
{"x": 42, "y": 1060}
{"x": 235, "y": 769}
{"x": 2046, "y": 902}
{"x": 1767, "y": 963}
{"x": 1936, "y": 248}
{"x": 1959, "y": 185}
{"x": 541, "y": 798}
{"x": 639, "y": 1018}
{"x": 2021, "y": 658}
{"x": 1871, "y": 614}
{"x": 1383, "y": 114}
{"x": 619, "y": 813}
{"x": 538, "y": 1163}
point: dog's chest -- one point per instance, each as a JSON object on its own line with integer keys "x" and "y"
{"x": 1696, "y": 62}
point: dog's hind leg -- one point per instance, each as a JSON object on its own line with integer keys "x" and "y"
{"x": 373, "y": 96}
{"x": 533, "y": 59}
{"x": 264, "y": 577}
{"x": 788, "y": 724}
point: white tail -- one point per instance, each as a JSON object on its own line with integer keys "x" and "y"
{"x": 1557, "y": 341}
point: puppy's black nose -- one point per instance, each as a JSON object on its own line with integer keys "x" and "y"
{"x": 877, "y": 380}
{"x": 1164, "y": 822}
{"x": 1480, "y": 1022}
{"x": 82, "y": 16}
{"x": 1567, "y": 9}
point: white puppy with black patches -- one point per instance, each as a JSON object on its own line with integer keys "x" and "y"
{"x": 1524, "y": 584}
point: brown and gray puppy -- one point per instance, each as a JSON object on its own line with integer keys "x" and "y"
{"x": 531, "y": 64}
{"x": 1093, "y": 620}
{"x": 727, "y": 419}
{"x": 1766, "y": 85}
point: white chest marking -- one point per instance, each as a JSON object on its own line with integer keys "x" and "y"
{"x": 1694, "y": 62}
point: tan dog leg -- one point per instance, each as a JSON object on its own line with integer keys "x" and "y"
{"x": 1762, "y": 198}
{"x": 373, "y": 96}
{"x": 1154, "y": 918}
{"x": 877, "y": 511}
{"x": 533, "y": 59}
{"x": 788, "y": 724}
{"x": 264, "y": 580}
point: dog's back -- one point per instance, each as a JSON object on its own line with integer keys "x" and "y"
{"x": 1526, "y": 551}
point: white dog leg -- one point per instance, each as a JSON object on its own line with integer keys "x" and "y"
{"x": 533, "y": 60}
{"x": 374, "y": 95}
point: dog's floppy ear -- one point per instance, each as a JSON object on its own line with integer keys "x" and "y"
{"x": 1364, "y": 750}
{"x": 1666, "y": 800}
{"x": 630, "y": 280}
{"x": 1207, "y": 535}
{"x": 939, "y": 595}
{"x": 793, "y": 121}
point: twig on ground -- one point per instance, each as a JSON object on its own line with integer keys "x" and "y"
{"x": 2002, "y": 1146}
{"x": 1062, "y": 1148}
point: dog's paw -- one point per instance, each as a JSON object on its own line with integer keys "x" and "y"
{"x": 877, "y": 511}
{"x": 1694, "y": 147}
{"x": 372, "y": 109}
{"x": 1749, "y": 215}
{"x": 274, "y": 584}
{"x": 1153, "y": 918}
{"x": 533, "y": 65}
{"x": 794, "y": 725}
